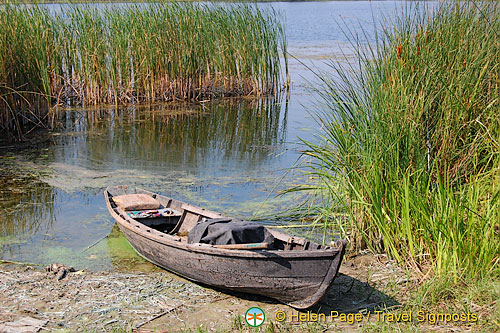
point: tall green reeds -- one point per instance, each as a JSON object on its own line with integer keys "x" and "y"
{"x": 118, "y": 54}
{"x": 411, "y": 141}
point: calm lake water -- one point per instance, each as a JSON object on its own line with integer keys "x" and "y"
{"x": 231, "y": 156}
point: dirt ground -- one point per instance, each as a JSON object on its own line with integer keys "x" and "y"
{"x": 159, "y": 301}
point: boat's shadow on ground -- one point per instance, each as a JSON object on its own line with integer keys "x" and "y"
{"x": 350, "y": 295}
{"x": 346, "y": 295}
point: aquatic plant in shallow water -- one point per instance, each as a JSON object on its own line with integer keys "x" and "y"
{"x": 119, "y": 54}
{"x": 410, "y": 142}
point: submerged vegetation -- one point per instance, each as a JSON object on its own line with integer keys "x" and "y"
{"x": 121, "y": 54}
{"x": 411, "y": 143}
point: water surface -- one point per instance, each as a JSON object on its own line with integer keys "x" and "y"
{"x": 232, "y": 156}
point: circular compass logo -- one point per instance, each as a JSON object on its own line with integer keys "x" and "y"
{"x": 255, "y": 317}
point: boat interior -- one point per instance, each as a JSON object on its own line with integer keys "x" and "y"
{"x": 177, "y": 218}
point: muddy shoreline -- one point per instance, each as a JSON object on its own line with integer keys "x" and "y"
{"x": 158, "y": 301}
{"x": 161, "y": 301}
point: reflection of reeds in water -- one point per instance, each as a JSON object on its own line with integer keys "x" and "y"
{"x": 122, "y": 54}
{"x": 27, "y": 206}
{"x": 239, "y": 131}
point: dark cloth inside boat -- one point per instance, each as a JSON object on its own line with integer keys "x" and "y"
{"x": 226, "y": 231}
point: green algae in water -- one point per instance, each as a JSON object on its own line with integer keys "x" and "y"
{"x": 115, "y": 251}
{"x": 120, "y": 252}
{"x": 10, "y": 240}
{"x": 59, "y": 254}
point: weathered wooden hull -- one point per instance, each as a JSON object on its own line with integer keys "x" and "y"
{"x": 298, "y": 278}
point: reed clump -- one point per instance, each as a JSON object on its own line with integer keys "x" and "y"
{"x": 120, "y": 54}
{"x": 411, "y": 142}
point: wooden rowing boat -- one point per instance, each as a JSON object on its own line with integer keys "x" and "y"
{"x": 295, "y": 271}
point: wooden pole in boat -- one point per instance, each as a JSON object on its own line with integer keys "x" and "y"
{"x": 249, "y": 246}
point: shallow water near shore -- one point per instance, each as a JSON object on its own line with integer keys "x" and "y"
{"x": 232, "y": 156}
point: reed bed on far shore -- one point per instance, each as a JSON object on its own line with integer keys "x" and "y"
{"x": 411, "y": 143}
{"x": 120, "y": 54}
